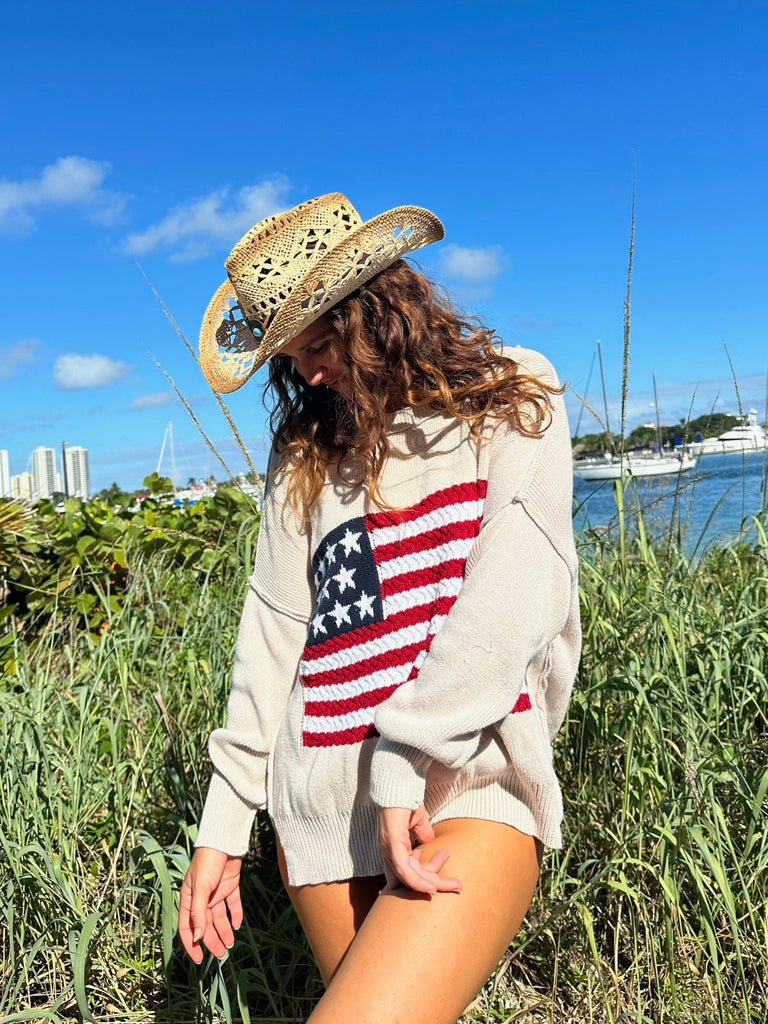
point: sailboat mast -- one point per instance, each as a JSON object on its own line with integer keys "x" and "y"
{"x": 656, "y": 406}
{"x": 162, "y": 452}
{"x": 609, "y": 435}
{"x": 168, "y": 439}
{"x": 173, "y": 456}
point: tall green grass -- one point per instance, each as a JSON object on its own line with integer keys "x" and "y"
{"x": 102, "y": 741}
{"x": 666, "y": 742}
{"x": 655, "y": 910}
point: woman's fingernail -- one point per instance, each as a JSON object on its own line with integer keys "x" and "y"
{"x": 197, "y": 935}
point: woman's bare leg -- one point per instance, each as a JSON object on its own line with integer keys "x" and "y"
{"x": 331, "y": 914}
{"x": 416, "y": 959}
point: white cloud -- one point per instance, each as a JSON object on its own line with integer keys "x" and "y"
{"x": 154, "y": 401}
{"x": 73, "y": 371}
{"x": 471, "y": 264}
{"x": 69, "y": 181}
{"x": 17, "y": 354}
{"x": 190, "y": 231}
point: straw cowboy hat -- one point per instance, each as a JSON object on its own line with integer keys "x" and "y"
{"x": 290, "y": 269}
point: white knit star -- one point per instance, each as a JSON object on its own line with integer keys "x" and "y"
{"x": 365, "y": 604}
{"x": 330, "y": 554}
{"x": 350, "y": 542}
{"x": 317, "y": 624}
{"x": 341, "y": 613}
{"x": 345, "y": 578}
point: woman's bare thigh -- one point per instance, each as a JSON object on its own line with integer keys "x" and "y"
{"x": 331, "y": 914}
{"x": 416, "y": 959}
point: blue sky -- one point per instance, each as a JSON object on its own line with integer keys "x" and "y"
{"x": 159, "y": 132}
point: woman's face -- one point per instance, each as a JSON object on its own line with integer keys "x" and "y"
{"x": 317, "y": 355}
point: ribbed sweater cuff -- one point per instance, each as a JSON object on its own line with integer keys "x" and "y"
{"x": 227, "y": 820}
{"x": 398, "y": 774}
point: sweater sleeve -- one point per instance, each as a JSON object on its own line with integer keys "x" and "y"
{"x": 519, "y": 599}
{"x": 271, "y": 636}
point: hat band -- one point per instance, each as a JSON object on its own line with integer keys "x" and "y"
{"x": 256, "y": 327}
{"x": 240, "y": 333}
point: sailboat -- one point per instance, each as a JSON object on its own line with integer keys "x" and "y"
{"x": 610, "y": 466}
{"x": 192, "y": 493}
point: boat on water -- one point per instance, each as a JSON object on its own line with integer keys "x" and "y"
{"x": 747, "y": 436}
{"x": 610, "y": 466}
{"x": 613, "y": 467}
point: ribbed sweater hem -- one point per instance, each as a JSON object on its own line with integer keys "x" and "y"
{"x": 535, "y": 810}
{"x": 340, "y": 846}
{"x": 333, "y": 847}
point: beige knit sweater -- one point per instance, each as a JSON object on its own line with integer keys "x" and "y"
{"x": 424, "y": 652}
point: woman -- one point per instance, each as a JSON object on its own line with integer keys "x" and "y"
{"x": 410, "y": 634}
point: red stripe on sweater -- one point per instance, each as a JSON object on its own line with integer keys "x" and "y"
{"x": 343, "y": 737}
{"x": 450, "y": 569}
{"x": 523, "y": 703}
{"x": 376, "y": 663}
{"x": 372, "y": 699}
{"x": 377, "y": 630}
{"x": 449, "y": 496}
{"x": 426, "y": 541}
{"x": 346, "y": 737}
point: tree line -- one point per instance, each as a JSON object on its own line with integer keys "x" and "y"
{"x": 709, "y": 425}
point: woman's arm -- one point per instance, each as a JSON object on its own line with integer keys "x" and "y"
{"x": 269, "y": 646}
{"x": 518, "y": 602}
{"x": 272, "y": 633}
{"x": 518, "y": 599}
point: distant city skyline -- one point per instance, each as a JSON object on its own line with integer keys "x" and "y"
{"x": 43, "y": 479}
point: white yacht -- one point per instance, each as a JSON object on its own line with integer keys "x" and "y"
{"x": 747, "y": 436}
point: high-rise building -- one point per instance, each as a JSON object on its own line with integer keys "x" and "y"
{"x": 76, "y": 469}
{"x": 22, "y": 486}
{"x": 44, "y": 474}
{"x": 5, "y": 475}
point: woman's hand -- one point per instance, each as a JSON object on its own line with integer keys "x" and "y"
{"x": 402, "y": 856}
{"x": 211, "y": 886}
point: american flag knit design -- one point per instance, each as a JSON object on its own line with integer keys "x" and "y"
{"x": 385, "y": 584}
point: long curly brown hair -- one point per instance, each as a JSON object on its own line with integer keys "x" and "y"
{"x": 405, "y": 344}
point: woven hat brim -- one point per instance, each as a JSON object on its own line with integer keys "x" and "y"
{"x": 359, "y": 256}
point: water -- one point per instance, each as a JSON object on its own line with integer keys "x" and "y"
{"x": 713, "y": 500}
